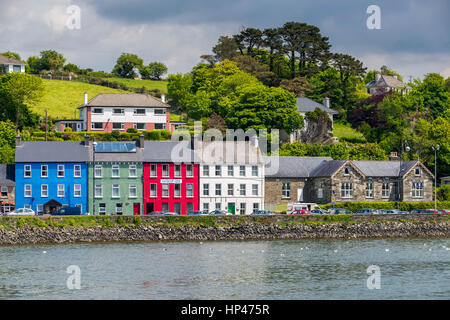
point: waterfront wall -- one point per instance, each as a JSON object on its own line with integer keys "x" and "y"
{"x": 224, "y": 228}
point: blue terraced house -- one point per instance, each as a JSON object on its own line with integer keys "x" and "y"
{"x": 51, "y": 175}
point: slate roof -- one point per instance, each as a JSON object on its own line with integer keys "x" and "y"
{"x": 327, "y": 168}
{"x": 124, "y": 100}
{"x": 169, "y": 151}
{"x": 229, "y": 152}
{"x": 384, "y": 168}
{"x": 6, "y": 60}
{"x": 52, "y": 151}
{"x": 293, "y": 167}
{"x": 7, "y": 175}
{"x": 306, "y": 105}
{"x": 386, "y": 81}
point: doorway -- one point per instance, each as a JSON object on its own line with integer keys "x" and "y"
{"x": 231, "y": 207}
{"x": 136, "y": 209}
{"x": 150, "y": 208}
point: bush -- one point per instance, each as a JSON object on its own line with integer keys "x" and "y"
{"x": 132, "y": 130}
{"x": 137, "y": 220}
{"x": 152, "y": 135}
{"x": 443, "y": 192}
{"x": 403, "y": 206}
{"x": 115, "y": 134}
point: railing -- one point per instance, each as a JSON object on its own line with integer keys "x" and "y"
{"x": 53, "y": 77}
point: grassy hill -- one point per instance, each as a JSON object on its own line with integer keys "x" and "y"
{"x": 62, "y": 98}
{"x": 346, "y": 133}
{"x": 161, "y": 85}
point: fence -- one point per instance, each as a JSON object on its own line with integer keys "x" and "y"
{"x": 53, "y": 77}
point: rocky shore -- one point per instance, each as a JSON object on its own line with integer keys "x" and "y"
{"x": 247, "y": 231}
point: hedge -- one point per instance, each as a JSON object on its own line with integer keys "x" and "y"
{"x": 100, "y": 136}
{"x": 401, "y": 205}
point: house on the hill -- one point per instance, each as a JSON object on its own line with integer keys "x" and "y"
{"x": 119, "y": 111}
{"x": 305, "y": 105}
{"x": 384, "y": 83}
{"x": 8, "y": 65}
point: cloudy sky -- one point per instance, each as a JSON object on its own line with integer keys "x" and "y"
{"x": 413, "y": 39}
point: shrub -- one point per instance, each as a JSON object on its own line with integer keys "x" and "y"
{"x": 132, "y": 130}
{"x": 443, "y": 192}
{"x": 115, "y": 134}
{"x": 137, "y": 220}
{"x": 152, "y": 135}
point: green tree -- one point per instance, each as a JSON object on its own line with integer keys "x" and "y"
{"x": 126, "y": 65}
{"x": 179, "y": 88}
{"x": 10, "y": 54}
{"x": 51, "y": 60}
{"x": 226, "y": 48}
{"x": 18, "y": 91}
{"x": 70, "y": 67}
{"x": 154, "y": 71}
{"x": 433, "y": 94}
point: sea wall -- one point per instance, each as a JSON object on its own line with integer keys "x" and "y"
{"x": 105, "y": 229}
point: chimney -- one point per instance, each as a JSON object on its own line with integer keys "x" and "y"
{"x": 326, "y": 102}
{"x": 163, "y": 98}
{"x": 254, "y": 141}
{"x": 86, "y": 140}
{"x": 394, "y": 157}
{"x": 378, "y": 76}
{"x": 141, "y": 141}
{"x": 18, "y": 139}
{"x": 395, "y": 76}
{"x": 85, "y": 98}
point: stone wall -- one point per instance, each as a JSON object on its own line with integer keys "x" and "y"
{"x": 273, "y": 190}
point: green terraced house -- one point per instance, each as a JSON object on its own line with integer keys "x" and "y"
{"x": 116, "y": 178}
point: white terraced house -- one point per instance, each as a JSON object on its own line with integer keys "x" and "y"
{"x": 231, "y": 177}
{"x": 8, "y": 65}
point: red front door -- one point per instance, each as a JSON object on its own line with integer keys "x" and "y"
{"x": 136, "y": 209}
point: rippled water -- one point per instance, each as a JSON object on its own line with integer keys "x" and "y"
{"x": 305, "y": 269}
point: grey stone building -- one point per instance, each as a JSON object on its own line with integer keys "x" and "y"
{"x": 323, "y": 180}
{"x": 7, "y": 188}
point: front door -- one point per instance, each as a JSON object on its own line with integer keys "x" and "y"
{"x": 300, "y": 194}
{"x": 136, "y": 209}
{"x": 150, "y": 207}
{"x": 231, "y": 208}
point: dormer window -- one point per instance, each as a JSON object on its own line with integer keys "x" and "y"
{"x": 417, "y": 171}
{"x": 346, "y": 171}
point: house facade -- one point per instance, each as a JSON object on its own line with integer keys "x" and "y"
{"x": 347, "y": 180}
{"x": 116, "y": 178}
{"x": 120, "y": 111}
{"x": 384, "y": 83}
{"x": 231, "y": 176}
{"x": 8, "y": 65}
{"x": 170, "y": 183}
{"x": 7, "y": 188}
{"x": 50, "y": 175}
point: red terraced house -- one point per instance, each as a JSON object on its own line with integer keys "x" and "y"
{"x": 120, "y": 111}
{"x": 169, "y": 185}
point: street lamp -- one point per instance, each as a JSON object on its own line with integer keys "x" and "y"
{"x": 435, "y": 178}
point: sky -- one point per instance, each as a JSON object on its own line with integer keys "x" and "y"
{"x": 413, "y": 39}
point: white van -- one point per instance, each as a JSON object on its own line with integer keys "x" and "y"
{"x": 291, "y": 207}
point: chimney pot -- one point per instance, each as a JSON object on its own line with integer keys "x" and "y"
{"x": 378, "y": 76}
{"x": 86, "y": 140}
{"x": 163, "y": 98}
{"x": 85, "y": 98}
{"x": 18, "y": 139}
{"x": 326, "y": 102}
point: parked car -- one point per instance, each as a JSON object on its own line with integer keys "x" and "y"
{"x": 263, "y": 212}
{"x": 67, "y": 211}
{"x": 403, "y": 212}
{"x": 445, "y": 211}
{"x": 301, "y": 212}
{"x": 21, "y": 212}
{"x": 417, "y": 211}
{"x": 389, "y": 211}
{"x": 219, "y": 212}
{"x": 291, "y": 207}
{"x": 367, "y": 211}
{"x": 340, "y": 211}
{"x": 157, "y": 213}
{"x": 430, "y": 211}
{"x": 197, "y": 213}
{"x": 166, "y": 213}
{"x": 318, "y": 211}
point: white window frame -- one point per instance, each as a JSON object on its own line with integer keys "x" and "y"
{"x": 385, "y": 192}
{"x": 255, "y": 171}
{"x": 132, "y": 167}
{"x": 93, "y": 128}
{"x": 122, "y": 126}
{"x": 177, "y": 170}
{"x": 242, "y": 208}
{"x": 139, "y": 114}
{"x": 285, "y": 190}
{"x": 255, "y": 206}
{"x": 168, "y": 170}
{"x": 369, "y": 191}
{"x": 115, "y": 186}
{"x": 135, "y": 125}
{"x": 165, "y": 187}
{"x": 155, "y": 189}
{"x": 102, "y": 208}
{"x": 242, "y": 171}
{"x": 155, "y": 171}
{"x": 242, "y": 189}
{"x": 346, "y": 190}
{"x": 25, "y": 191}
{"x": 40, "y": 208}
{"x": 132, "y": 187}
{"x": 255, "y": 189}
{"x": 177, "y": 193}
{"x": 417, "y": 192}
{"x": 115, "y": 167}
{"x": 206, "y": 171}
{"x": 218, "y": 189}
{"x": 189, "y": 170}
{"x": 98, "y": 167}
{"x": 206, "y": 189}
{"x": 230, "y": 190}
{"x": 44, "y": 191}
{"x": 218, "y": 171}
{"x": 58, "y": 171}
{"x": 75, "y": 170}
{"x": 98, "y": 187}
{"x": 189, "y": 190}
{"x": 3, "y": 191}
{"x": 58, "y": 189}
{"x": 230, "y": 171}
{"x": 42, "y": 171}
{"x": 119, "y": 207}
{"x": 77, "y": 190}
{"x": 26, "y": 169}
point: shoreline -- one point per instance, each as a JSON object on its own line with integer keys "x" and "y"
{"x": 95, "y": 229}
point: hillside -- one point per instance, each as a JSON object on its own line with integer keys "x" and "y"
{"x": 148, "y": 84}
{"x": 62, "y": 98}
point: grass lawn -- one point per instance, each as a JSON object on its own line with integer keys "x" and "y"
{"x": 346, "y": 133}
{"x": 161, "y": 85}
{"x": 62, "y": 98}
